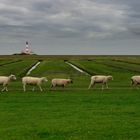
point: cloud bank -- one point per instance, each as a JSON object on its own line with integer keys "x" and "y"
{"x": 70, "y": 27}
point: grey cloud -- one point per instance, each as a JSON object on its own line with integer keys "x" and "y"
{"x": 135, "y": 29}
{"x": 47, "y": 21}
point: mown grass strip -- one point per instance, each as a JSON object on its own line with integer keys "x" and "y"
{"x": 53, "y": 68}
{"x": 3, "y": 63}
{"x": 128, "y": 60}
{"x": 95, "y": 68}
{"x": 77, "y": 68}
{"x": 129, "y": 67}
{"x": 18, "y": 68}
{"x": 26, "y": 69}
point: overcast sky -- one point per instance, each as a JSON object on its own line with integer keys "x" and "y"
{"x": 70, "y": 26}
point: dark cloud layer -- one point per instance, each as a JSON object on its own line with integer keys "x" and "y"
{"x": 70, "y": 27}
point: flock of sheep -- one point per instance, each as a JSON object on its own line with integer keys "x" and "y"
{"x": 36, "y": 81}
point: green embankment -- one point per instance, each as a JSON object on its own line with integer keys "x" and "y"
{"x": 121, "y": 71}
{"x": 74, "y": 112}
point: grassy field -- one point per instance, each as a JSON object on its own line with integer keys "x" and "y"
{"x": 73, "y": 113}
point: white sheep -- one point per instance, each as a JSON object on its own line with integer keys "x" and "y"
{"x": 60, "y": 82}
{"x": 135, "y": 80}
{"x": 35, "y": 81}
{"x": 100, "y": 79}
{"x": 4, "y": 80}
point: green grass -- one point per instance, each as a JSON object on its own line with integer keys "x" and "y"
{"x": 54, "y": 68}
{"x": 6, "y": 62}
{"x": 70, "y": 115}
{"x": 19, "y": 68}
{"x": 125, "y": 66}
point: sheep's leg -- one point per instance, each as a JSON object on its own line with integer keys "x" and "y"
{"x": 106, "y": 85}
{"x": 135, "y": 85}
{"x": 52, "y": 86}
{"x": 132, "y": 83}
{"x": 102, "y": 86}
{"x": 40, "y": 88}
{"x": 24, "y": 87}
{"x": 6, "y": 88}
{"x": 33, "y": 89}
{"x": 91, "y": 84}
{"x": 3, "y": 89}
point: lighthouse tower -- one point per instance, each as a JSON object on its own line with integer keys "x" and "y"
{"x": 27, "y": 50}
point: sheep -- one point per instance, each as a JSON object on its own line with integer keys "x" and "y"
{"x": 100, "y": 79}
{"x": 4, "y": 80}
{"x": 27, "y": 80}
{"x": 135, "y": 80}
{"x": 60, "y": 82}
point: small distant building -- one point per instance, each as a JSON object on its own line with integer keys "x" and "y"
{"x": 27, "y": 50}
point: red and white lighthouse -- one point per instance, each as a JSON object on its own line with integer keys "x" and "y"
{"x": 27, "y": 49}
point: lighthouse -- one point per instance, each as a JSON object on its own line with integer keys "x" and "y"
{"x": 27, "y": 50}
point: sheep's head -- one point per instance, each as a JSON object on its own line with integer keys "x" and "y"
{"x": 12, "y": 77}
{"x": 44, "y": 79}
{"x": 70, "y": 80}
{"x": 110, "y": 77}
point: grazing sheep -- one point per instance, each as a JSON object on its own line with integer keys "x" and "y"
{"x": 135, "y": 80}
{"x": 4, "y": 80}
{"x": 100, "y": 79}
{"x": 60, "y": 82}
{"x": 33, "y": 81}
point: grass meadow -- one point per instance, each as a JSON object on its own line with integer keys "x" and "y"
{"x": 74, "y": 112}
